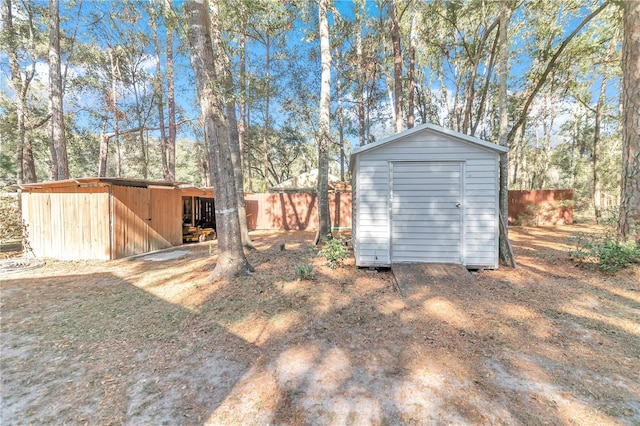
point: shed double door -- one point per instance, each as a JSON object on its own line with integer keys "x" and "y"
{"x": 426, "y": 212}
{"x": 145, "y": 219}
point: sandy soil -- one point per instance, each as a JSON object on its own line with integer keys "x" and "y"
{"x": 136, "y": 341}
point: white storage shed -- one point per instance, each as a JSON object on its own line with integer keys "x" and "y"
{"x": 426, "y": 195}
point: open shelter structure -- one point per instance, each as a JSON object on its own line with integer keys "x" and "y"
{"x": 198, "y": 214}
{"x": 426, "y": 195}
{"x": 101, "y": 218}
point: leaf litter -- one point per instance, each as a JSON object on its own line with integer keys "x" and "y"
{"x": 137, "y": 342}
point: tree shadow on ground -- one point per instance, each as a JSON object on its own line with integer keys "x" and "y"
{"x": 338, "y": 351}
{"x": 97, "y": 349}
{"x": 511, "y": 347}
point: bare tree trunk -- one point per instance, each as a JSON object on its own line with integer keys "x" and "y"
{"x": 360, "y": 72}
{"x": 57, "y": 137}
{"x": 239, "y": 179}
{"x": 104, "y": 154}
{"x": 141, "y": 125}
{"x": 397, "y": 66}
{"x": 391, "y": 101}
{"x": 324, "y": 218}
{"x": 164, "y": 154}
{"x": 20, "y": 162}
{"x": 267, "y": 100}
{"x": 26, "y": 170}
{"x": 470, "y": 95}
{"x": 16, "y": 80}
{"x": 118, "y": 157}
{"x": 340, "y": 115}
{"x": 53, "y": 164}
{"x": 444, "y": 101}
{"x": 503, "y": 71}
{"x": 231, "y": 259}
{"x": 519, "y": 160}
{"x": 223, "y": 65}
{"x": 29, "y": 162}
{"x": 629, "y": 222}
{"x": 597, "y": 187}
{"x": 171, "y": 98}
{"x": 548, "y": 120}
{"x": 475, "y": 55}
{"x": 112, "y": 104}
{"x": 411, "y": 119}
{"x": 481, "y": 114}
{"x": 242, "y": 124}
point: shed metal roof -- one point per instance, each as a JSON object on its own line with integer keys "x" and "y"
{"x": 434, "y": 128}
{"x": 92, "y": 181}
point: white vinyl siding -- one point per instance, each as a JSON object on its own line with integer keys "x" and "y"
{"x": 369, "y": 221}
{"x": 425, "y": 220}
{"x": 354, "y": 210}
{"x": 374, "y": 186}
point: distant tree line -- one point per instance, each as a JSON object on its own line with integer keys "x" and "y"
{"x": 108, "y": 88}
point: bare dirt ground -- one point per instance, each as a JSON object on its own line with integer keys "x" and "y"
{"x": 136, "y": 341}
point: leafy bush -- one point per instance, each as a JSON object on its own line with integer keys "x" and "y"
{"x": 11, "y": 226}
{"x": 609, "y": 219}
{"x": 304, "y": 270}
{"x": 605, "y": 251}
{"x": 334, "y": 251}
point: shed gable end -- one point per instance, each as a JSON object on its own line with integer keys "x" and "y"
{"x": 376, "y": 218}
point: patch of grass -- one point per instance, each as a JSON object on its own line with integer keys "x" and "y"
{"x": 123, "y": 314}
{"x": 609, "y": 254}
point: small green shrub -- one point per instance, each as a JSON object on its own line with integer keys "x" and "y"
{"x": 334, "y": 251}
{"x": 605, "y": 251}
{"x": 609, "y": 219}
{"x": 304, "y": 271}
{"x": 11, "y": 225}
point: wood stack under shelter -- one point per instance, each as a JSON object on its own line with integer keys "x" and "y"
{"x": 198, "y": 214}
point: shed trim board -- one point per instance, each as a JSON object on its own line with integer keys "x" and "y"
{"x": 472, "y": 241}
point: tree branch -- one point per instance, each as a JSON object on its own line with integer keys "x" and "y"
{"x": 37, "y": 124}
{"x": 549, "y": 68}
{"x": 110, "y": 135}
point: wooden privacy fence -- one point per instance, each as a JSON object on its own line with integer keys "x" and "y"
{"x": 299, "y": 211}
{"x": 541, "y": 207}
{"x": 295, "y": 211}
{"x": 110, "y": 218}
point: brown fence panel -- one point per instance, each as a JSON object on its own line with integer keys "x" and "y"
{"x": 165, "y": 214}
{"x": 130, "y": 215}
{"x": 541, "y": 207}
{"x": 69, "y": 224}
{"x": 295, "y": 211}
